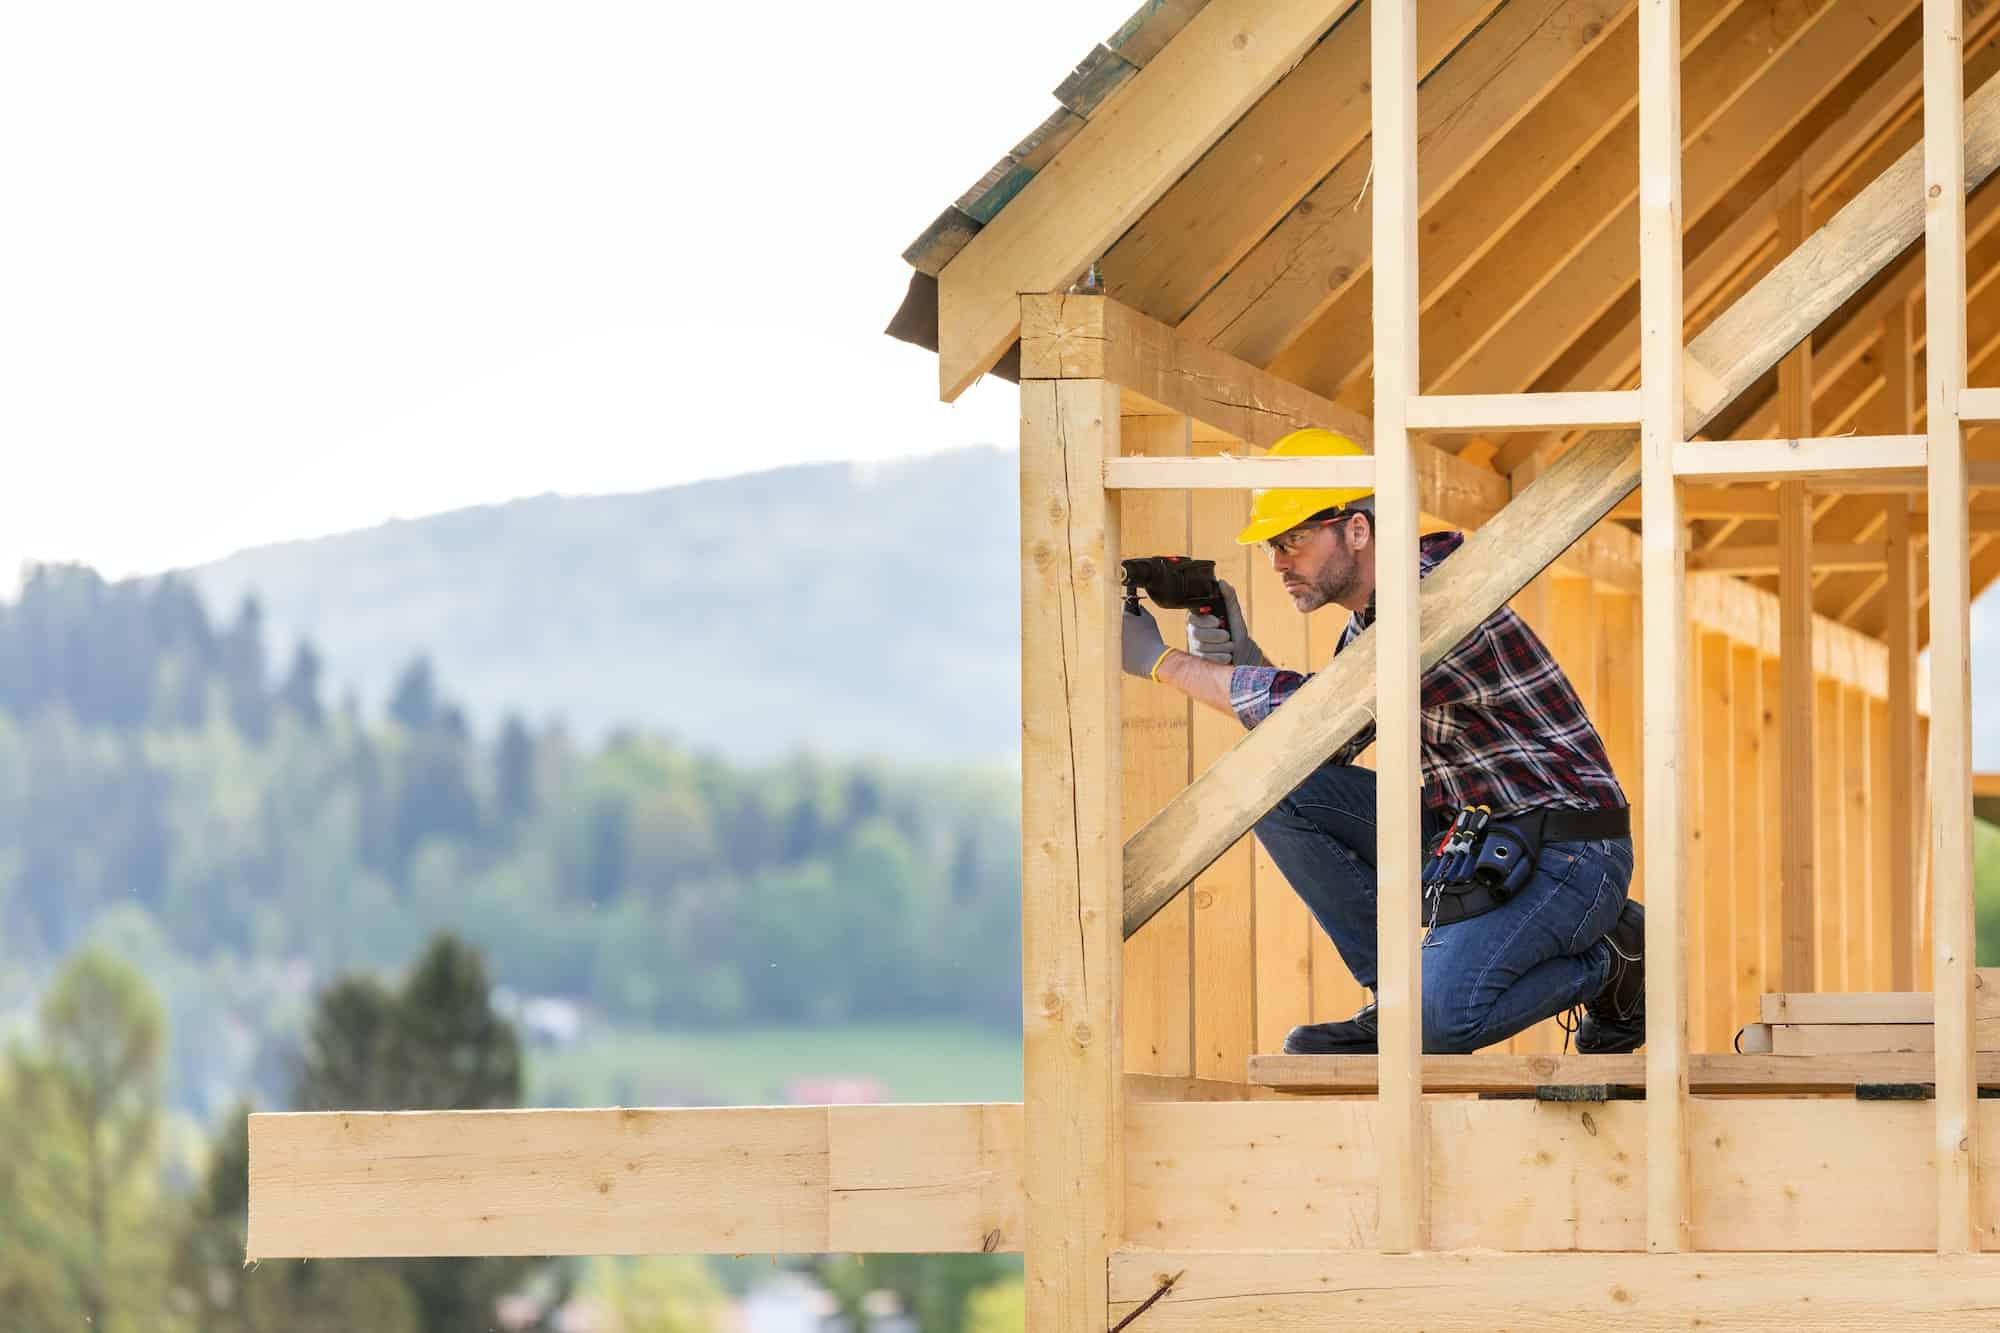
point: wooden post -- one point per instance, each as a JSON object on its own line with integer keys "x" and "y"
{"x": 1899, "y": 604}
{"x": 1951, "y": 676}
{"x": 1071, "y": 932}
{"x": 1398, "y": 827}
{"x": 1664, "y": 594}
{"x": 1155, "y": 764}
{"x": 1795, "y": 619}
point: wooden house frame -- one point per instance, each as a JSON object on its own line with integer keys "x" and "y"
{"x": 1713, "y": 246}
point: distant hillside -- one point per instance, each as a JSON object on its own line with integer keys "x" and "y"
{"x": 853, "y": 608}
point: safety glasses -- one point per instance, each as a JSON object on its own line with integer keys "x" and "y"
{"x": 1292, "y": 540}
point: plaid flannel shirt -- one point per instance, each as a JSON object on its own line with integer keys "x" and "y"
{"x": 1501, "y": 725}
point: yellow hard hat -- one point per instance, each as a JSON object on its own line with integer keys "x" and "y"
{"x": 1278, "y": 510}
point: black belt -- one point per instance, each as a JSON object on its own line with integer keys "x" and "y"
{"x": 1572, "y": 825}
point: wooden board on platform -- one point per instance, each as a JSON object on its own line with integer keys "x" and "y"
{"x": 1707, "y": 1072}
{"x": 1873, "y": 1006}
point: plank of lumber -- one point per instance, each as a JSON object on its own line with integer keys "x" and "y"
{"x": 1404, "y": 1199}
{"x": 1122, "y": 161}
{"x": 1709, "y": 1073}
{"x": 1663, "y": 612}
{"x": 1223, "y": 473}
{"x": 1522, "y": 411}
{"x": 1952, "y": 939}
{"x": 1543, "y": 520}
{"x": 1070, "y": 805}
{"x": 1231, "y": 1292}
{"x": 1874, "y": 1006}
{"x": 1825, "y": 462}
{"x": 1979, "y": 405}
{"x": 1096, "y": 337}
{"x": 1866, "y": 1038}
{"x": 1769, "y": 559}
{"x": 355, "y": 1184}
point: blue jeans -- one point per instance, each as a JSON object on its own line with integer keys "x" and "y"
{"x": 1487, "y": 977}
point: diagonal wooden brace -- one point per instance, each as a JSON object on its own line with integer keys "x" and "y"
{"x": 1542, "y": 522}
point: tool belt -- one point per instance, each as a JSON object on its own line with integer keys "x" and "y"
{"x": 1481, "y": 862}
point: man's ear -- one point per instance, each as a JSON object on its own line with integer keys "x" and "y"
{"x": 1361, "y": 531}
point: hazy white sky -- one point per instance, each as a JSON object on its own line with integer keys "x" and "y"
{"x": 271, "y": 270}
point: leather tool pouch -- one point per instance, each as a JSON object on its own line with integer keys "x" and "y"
{"x": 1479, "y": 864}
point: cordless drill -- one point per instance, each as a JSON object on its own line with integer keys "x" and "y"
{"x": 1176, "y": 583}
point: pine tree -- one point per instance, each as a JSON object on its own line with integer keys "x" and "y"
{"x": 299, "y": 695}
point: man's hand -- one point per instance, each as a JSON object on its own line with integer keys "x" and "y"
{"x": 1211, "y": 641}
{"x": 1142, "y": 644}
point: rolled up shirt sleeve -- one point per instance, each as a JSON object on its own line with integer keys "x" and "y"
{"x": 1255, "y": 691}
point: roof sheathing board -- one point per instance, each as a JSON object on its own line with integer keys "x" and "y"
{"x": 1095, "y": 80}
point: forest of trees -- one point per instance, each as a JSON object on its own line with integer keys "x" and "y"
{"x": 161, "y": 788}
{"x": 94, "y": 1235}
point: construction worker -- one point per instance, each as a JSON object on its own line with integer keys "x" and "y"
{"x": 1527, "y": 833}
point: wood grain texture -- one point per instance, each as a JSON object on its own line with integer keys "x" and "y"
{"x": 1474, "y": 1293}
{"x": 1070, "y": 798}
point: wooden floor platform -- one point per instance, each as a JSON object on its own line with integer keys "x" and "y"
{"x": 1708, "y": 1074}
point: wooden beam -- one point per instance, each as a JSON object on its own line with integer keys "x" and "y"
{"x": 1299, "y": 1173}
{"x": 1227, "y": 1292}
{"x": 1769, "y": 559}
{"x": 1904, "y": 773}
{"x": 1522, "y": 411}
{"x": 1665, "y": 625}
{"x": 1399, "y": 773}
{"x": 1543, "y": 520}
{"x": 792, "y": 1179}
{"x": 1979, "y": 406}
{"x": 1096, "y": 337}
{"x": 1799, "y": 459}
{"x": 1070, "y": 849}
{"x": 1951, "y": 597}
{"x": 1709, "y": 1073}
{"x": 1875, "y": 1006}
{"x": 1796, "y": 695}
{"x": 1118, "y": 164}
{"x": 1223, "y": 473}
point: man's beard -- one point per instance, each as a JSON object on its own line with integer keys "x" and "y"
{"x": 1334, "y": 584}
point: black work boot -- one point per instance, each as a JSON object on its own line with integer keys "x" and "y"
{"x": 1614, "y": 1020}
{"x": 1352, "y": 1036}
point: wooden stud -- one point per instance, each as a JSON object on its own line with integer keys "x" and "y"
{"x": 1951, "y": 678}
{"x": 1747, "y": 830}
{"x": 1223, "y": 897}
{"x": 1662, "y": 431}
{"x": 1795, "y": 815}
{"x": 1154, "y": 725}
{"x": 1399, "y": 782}
{"x": 1856, "y": 857}
{"x": 1070, "y": 849}
{"x": 1711, "y": 925}
{"x": 1979, "y": 406}
{"x": 1899, "y": 796}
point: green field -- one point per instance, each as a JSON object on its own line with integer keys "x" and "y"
{"x": 914, "y": 1062}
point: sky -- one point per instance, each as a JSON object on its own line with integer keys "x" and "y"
{"x": 273, "y": 271}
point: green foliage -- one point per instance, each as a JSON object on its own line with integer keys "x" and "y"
{"x": 658, "y": 1295}
{"x": 1986, "y": 891}
{"x": 79, "y": 1119}
{"x": 235, "y": 831}
{"x": 935, "y": 1289}
{"x": 999, "y": 1308}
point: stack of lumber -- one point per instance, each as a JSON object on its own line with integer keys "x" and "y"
{"x": 1858, "y": 1022}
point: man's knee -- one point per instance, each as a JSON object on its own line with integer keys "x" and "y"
{"x": 1451, "y": 1026}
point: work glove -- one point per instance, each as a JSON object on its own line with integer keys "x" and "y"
{"x": 1209, "y": 639}
{"x": 1141, "y": 642}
